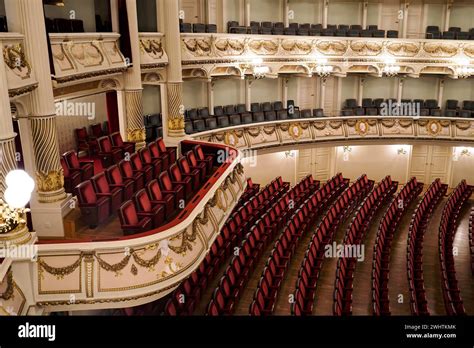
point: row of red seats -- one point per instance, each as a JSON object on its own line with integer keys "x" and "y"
{"x": 418, "y": 224}
{"x": 177, "y": 184}
{"x": 234, "y": 230}
{"x": 311, "y": 266}
{"x": 298, "y": 225}
{"x": 471, "y": 238}
{"x": 383, "y": 241}
{"x": 112, "y": 149}
{"x": 242, "y": 264}
{"x": 447, "y": 230}
{"x": 250, "y": 191}
{"x": 354, "y": 236}
{"x": 88, "y": 142}
{"x": 76, "y": 171}
{"x": 100, "y": 196}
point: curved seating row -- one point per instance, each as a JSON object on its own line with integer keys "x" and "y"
{"x": 234, "y": 230}
{"x": 299, "y": 223}
{"x": 307, "y": 29}
{"x": 200, "y": 120}
{"x": 101, "y": 195}
{"x": 447, "y": 231}
{"x": 354, "y": 236}
{"x": 261, "y": 234}
{"x": 418, "y": 225}
{"x": 383, "y": 242}
{"x": 87, "y": 141}
{"x": 311, "y": 266}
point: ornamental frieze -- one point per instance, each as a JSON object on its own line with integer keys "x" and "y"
{"x": 340, "y": 128}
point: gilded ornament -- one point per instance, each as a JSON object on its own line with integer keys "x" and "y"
{"x": 53, "y": 181}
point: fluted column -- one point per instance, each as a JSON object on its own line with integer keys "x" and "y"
{"x": 133, "y": 83}
{"x": 7, "y": 136}
{"x": 175, "y": 116}
{"x": 24, "y": 17}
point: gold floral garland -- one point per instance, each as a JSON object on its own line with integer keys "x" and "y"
{"x": 60, "y": 272}
{"x": 119, "y": 266}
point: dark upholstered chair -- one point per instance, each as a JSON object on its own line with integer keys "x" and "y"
{"x": 115, "y": 179}
{"x": 71, "y": 178}
{"x": 168, "y": 187}
{"x": 94, "y": 209}
{"x": 158, "y": 197}
{"x": 130, "y": 221}
{"x": 129, "y": 174}
{"x": 126, "y": 146}
{"x": 146, "y": 209}
{"x": 85, "y": 168}
{"x": 108, "y": 153}
{"x": 103, "y": 189}
{"x": 139, "y": 167}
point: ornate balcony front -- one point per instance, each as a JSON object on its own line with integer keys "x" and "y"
{"x": 133, "y": 270}
{"x": 81, "y": 56}
{"x": 207, "y": 55}
{"x": 20, "y": 77}
{"x": 343, "y": 129}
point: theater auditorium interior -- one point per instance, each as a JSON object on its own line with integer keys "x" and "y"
{"x": 237, "y": 158}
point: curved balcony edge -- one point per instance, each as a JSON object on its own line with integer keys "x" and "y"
{"x": 337, "y": 130}
{"x": 133, "y": 270}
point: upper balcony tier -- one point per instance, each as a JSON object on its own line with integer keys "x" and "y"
{"x": 339, "y": 130}
{"x": 79, "y": 56}
{"x": 208, "y": 55}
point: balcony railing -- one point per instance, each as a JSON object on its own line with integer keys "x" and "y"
{"x": 298, "y": 54}
{"x": 20, "y": 77}
{"x": 342, "y": 129}
{"x": 137, "y": 269}
{"x": 78, "y": 56}
{"x": 152, "y": 52}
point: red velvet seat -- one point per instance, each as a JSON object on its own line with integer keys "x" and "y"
{"x": 115, "y": 178}
{"x": 169, "y": 187}
{"x": 146, "y": 208}
{"x": 85, "y": 142}
{"x": 94, "y": 209}
{"x": 108, "y": 154}
{"x": 71, "y": 178}
{"x": 129, "y": 174}
{"x": 85, "y": 168}
{"x": 157, "y": 154}
{"x": 130, "y": 221}
{"x": 178, "y": 178}
{"x": 103, "y": 189}
{"x": 139, "y": 167}
{"x": 97, "y": 131}
{"x": 195, "y": 164}
{"x": 201, "y": 157}
{"x": 192, "y": 173}
{"x": 148, "y": 160}
{"x": 126, "y": 146}
{"x": 170, "y": 151}
{"x": 158, "y": 197}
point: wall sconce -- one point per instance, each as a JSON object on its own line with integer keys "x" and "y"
{"x": 345, "y": 154}
{"x": 459, "y": 152}
{"x": 401, "y": 151}
{"x": 463, "y": 69}
{"x": 258, "y": 70}
{"x": 390, "y": 67}
{"x": 321, "y": 67}
{"x": 290, "y": 154}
